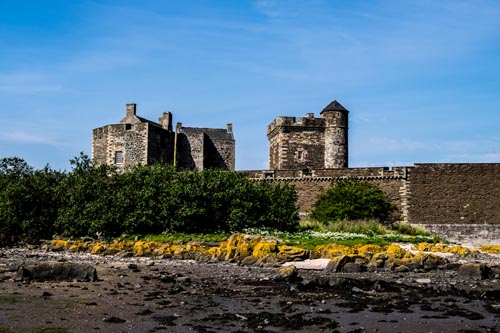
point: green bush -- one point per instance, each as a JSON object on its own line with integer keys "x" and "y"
{"x": 100, "y": 202}
{"x": 353, "y": 200}
{"x": 28, "y": 201}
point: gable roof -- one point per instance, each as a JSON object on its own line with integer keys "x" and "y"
{"x": 212, "y": 133}
{"x": 334, "y": 106}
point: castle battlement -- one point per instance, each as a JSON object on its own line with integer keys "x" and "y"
{"x": 309, "y": 142}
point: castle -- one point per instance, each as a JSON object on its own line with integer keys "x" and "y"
{"x": 458, "y": 201}
{"x": 136, "y": 140}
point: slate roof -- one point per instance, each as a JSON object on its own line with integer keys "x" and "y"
{"x": 334, "y": 106}
{"x": 212, "y": 133}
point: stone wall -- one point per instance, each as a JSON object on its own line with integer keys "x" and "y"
{"x": 471, "y": 235}
{"x": 336, "y": 145}
{"x": 160, "y": 145}
{"x": 458, "y": 202}
{"x": 130, "y": 139}
{"x": 309, "y": 187}
{"x": 296, "y": 144}
{"x": 221, "y": 154}
{"x": 136, "y": 140}
{"x": 455, "y": 194}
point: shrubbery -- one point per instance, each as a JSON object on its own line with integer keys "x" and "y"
{"x": 89, "y": 201}
{"x": 353, "y": 200}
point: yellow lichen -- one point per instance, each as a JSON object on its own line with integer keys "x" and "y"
{"x": 455, "y": 249}
{"x": 369, "y": 250}
{"x": 490, "y": 248}
{"x": 334, "y": 250}
{"x": 59, "y": 243}
{"x": 397, "y": 252}
{"x": 288, "y": 252}
{"x": 264, "y": 248}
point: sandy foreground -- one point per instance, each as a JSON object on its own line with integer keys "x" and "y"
{"x": 149, "y": 295}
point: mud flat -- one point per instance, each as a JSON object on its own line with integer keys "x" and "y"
{"x": 165, "y": 295}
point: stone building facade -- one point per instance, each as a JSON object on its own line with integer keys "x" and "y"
{"x": 309, "y": 142}
{"x": 136, "y": 140}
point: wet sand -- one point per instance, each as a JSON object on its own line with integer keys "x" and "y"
{"x": 149, "y": 295}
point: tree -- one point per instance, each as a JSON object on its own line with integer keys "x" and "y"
{"x": 353, "y": 200}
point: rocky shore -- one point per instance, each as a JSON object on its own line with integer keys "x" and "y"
{"x": 380, "y": 290}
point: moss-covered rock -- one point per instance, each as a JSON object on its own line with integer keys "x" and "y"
{"x": 291, "y": 253}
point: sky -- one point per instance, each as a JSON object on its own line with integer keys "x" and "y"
{"x": 420, "y": 78}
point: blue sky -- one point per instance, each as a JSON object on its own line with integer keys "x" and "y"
{"x": 421, "y": 78}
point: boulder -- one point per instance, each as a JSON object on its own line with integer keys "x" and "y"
{"x": 57, "y": 271}
{"x": 473, "y": 271}
{"x": 288, "y": 273}
{"x": 353, "y": 267}
{"x": 268, "y": 261}
{"x": 336, "y": 264}
{"x": 291, "y": 253}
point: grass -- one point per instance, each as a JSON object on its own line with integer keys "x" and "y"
{"x": 179, "y": 237}
{"x": 311, "y": 234}
{"x": 51, "y": 330}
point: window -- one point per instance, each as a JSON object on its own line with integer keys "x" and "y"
{"x": 118, "y": 157}
{"x": 301, "y": 155}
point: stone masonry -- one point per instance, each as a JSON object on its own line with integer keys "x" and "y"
{"x": 136, "y": 140}
{"x": 459, "y": 201}
{"x": 309, "y": 142}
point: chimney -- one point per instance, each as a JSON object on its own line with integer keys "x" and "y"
{"x": 166, "y": 121}
{"x": 131, "y": 109}
{"x": 230, "y": 128}
{"x": 310, "y": 115}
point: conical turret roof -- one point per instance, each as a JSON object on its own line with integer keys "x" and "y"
{"x": 334, "y": 106}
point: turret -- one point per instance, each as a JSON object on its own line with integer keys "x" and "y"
{"x": 336, "y": 135}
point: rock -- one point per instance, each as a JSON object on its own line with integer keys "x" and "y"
{"x": 133, "y": 267}
{"x": 182, "y": 279}
{"x": 384, "y": 286}
{"x": 290, "y": 253}
{"x": 264, "y": 248}
{"x": 423, "y": 280}
{"x": 352, "y": 267}
{"x": 268, "y": 261}
{"x": 57, "y": 272}
{"x": 114, "y": 320}
{"x": 375, "y": 264}
{"x": 336, "y": 264}
{"x": 250, "y": 260}
{"x": 401, "y": 269}
{"x": 288, "y": 273}
{"x": 473, "y": 271}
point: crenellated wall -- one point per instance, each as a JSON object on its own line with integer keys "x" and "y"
{"x": 460, "y": 202}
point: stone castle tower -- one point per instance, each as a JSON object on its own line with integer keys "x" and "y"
{"x": 309, "y": 142}
{"x": 136, "y": 140}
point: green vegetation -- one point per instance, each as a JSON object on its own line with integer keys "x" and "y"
{"x": 100, "y": 202}
{"x": 350, "y": 200}
{"x": 179, "y": 237}
{"x": 349, "y": 233}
